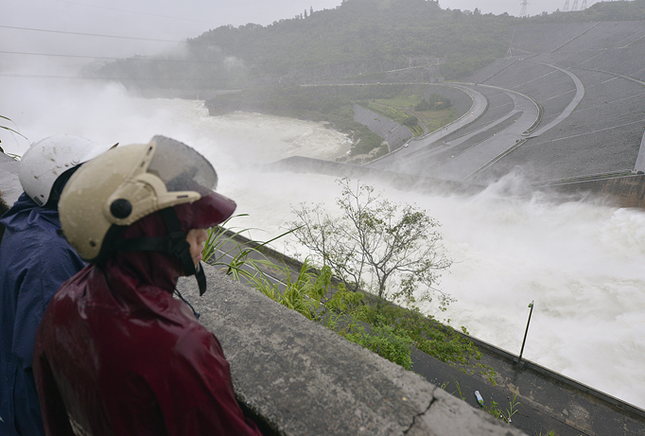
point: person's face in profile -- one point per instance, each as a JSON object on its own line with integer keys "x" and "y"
{"x": 196, "y": 239}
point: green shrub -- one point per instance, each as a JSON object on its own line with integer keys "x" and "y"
{"x": 388, "y": 330}
{"x": 395, "y": 346}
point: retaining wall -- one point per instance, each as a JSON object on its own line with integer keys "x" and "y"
{"x": 392, "y": 132}
{"x": 296, "y": 377}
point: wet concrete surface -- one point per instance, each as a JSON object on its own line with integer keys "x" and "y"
{"x": 545, "y": 401}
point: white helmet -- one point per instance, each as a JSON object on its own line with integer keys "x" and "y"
{"x": 48, "y": 158}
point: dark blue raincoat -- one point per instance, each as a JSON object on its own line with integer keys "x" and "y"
{"x": 34, "y": 262}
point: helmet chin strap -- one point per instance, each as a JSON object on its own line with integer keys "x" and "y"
{"x": 201, "y": 278}
{"x": 180, "y": 248}
{"x": 174, "y": 244}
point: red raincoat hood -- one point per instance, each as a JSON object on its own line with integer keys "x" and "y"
{"x": 137, "y": 269}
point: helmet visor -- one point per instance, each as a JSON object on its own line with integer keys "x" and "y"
{"x": 181, "y": 168}
{"x": 207, "y": 212}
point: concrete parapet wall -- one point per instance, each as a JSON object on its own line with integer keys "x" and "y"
{"x": 299, "y": 378}
{"x": 556, "y": 402}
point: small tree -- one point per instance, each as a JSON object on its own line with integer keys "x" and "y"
{"x": 411, "y": 122}
{"x": 375, "y": 241}
{"x": 423, "y": 105}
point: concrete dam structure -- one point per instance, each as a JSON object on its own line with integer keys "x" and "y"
{"x": 565, "y": 108}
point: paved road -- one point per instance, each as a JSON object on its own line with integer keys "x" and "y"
{"x": 464, "y": 157}
{"x": 421, "y": 156}
{"x": 424, "y": 144}
{"x": 577, "y": 98}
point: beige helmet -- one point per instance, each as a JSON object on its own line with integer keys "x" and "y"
{"x": 127, "y": 183}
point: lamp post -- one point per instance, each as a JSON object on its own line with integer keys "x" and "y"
{"x": 519, "y": 360}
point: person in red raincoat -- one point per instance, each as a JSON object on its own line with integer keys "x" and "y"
{"x": 116, "y": 354}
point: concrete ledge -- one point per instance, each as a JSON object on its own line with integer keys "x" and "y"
{"x": 303, "y": 379}
{"x": 625, "y": 190}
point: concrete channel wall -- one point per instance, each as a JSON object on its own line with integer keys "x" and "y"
{"x": 546, "y": 400}
{"x": 392, "y": 132}
{"x": 627, "y": 190}
{"x": 296, "y": 377}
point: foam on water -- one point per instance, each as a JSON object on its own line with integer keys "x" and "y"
{"x": 582, "y": 263}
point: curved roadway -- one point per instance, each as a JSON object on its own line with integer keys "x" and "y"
{"x": 420, "y": 156}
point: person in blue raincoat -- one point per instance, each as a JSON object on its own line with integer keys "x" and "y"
{"x": 34, "y": 261}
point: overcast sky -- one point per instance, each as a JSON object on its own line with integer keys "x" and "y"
{"x": 38, "y": 26}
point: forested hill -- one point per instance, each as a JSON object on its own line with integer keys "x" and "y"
{"x": 360, "y": 40}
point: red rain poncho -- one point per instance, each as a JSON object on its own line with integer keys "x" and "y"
{"x": 117, "y": 355}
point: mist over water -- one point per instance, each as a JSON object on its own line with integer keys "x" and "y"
{"x": 582, "y": 263}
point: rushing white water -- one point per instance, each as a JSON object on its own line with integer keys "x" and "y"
{"x": 582, "y": 263}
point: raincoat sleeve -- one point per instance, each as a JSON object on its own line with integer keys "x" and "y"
{"x": 48, "y": 269}
{"x": 42, "y": 262}
{"x": 202, "y": 397}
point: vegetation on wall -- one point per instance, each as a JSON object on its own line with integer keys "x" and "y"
{"x": 391, "y": 250}
{"x": 4, "y": 119}
{"x": 316, "y": 292}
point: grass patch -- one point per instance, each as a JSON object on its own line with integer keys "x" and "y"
{"x": 396, "y": 114}
{"x": 408, "y": 105}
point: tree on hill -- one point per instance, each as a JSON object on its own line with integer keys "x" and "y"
{"x": 359, "y": 37}
{"x": 357, "y": 41}
{"x": 434, "y": 102}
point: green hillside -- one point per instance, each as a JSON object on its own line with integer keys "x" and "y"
{"x": 358, "y": 38}
{"x": 365, "y": 40}
{"x": 394, "y": 43}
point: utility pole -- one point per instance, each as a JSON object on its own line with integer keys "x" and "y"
{"x": 519, "y": 360}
